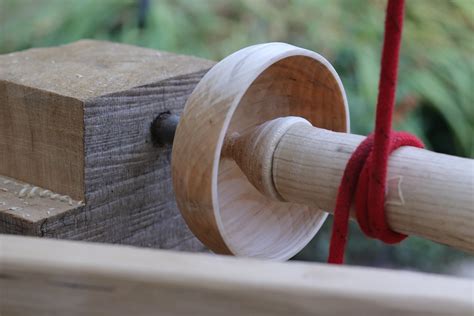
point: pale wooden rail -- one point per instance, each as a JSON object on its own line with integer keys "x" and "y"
{"x": 52, "y": 277}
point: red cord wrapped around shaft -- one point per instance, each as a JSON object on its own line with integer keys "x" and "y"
{"x": 365, "y": 175}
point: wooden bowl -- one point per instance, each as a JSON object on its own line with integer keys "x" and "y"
{"x": 249, "y": 87}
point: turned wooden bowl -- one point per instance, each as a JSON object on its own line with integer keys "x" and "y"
{"x": 248, "y": 88}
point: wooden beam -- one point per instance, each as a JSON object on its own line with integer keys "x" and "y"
{"x": 75, "y": 120}
{"x": 52, "y": 277}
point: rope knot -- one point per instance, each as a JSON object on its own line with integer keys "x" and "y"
{"x": 366, "y": 171}
{"x": 371, "y": 187}
{"x": 364, "y": 182}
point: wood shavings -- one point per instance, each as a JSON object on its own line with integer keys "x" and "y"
{"x": 32, "y": 192}
{"x": 23, "y": 192}
{"x": 45, "y": 193}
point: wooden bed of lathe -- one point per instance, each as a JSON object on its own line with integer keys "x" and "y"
{"x": 77, "y": 163}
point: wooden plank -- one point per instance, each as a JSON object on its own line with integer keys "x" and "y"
{"x": 51, "y": 277}
{"x": 75, "y": 120}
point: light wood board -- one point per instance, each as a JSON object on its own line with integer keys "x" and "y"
{"x": 51, "y": 277}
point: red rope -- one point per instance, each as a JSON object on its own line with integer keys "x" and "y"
{"x": 366, "y": 171}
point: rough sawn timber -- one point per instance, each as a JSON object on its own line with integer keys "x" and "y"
{"x": 75, "y": 120}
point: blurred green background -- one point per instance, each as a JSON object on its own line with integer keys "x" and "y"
{"x": 435, "y": 91}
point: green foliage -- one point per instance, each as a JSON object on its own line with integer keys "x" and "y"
{"x": 435, "y": 94}
{"x": 436, "y": 68}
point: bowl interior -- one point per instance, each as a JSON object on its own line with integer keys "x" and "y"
{"x": 254, "y": 225}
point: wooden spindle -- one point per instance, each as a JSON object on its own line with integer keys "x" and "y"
{"x": 428, "y": 194}
{"x": 250, "y": 185}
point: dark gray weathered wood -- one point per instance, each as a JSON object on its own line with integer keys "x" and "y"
{"x": 126, "y": 189}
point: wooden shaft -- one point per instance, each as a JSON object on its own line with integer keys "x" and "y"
{"x": 428, "y": 194}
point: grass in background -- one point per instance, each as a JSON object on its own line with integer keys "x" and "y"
{"x": 435, "y": 92}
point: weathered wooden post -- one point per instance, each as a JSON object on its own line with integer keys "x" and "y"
{"x": 76, "y": 155}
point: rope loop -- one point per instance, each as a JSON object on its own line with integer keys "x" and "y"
{"x": 370, "y": 212}
{"x": 365, "y": 174}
